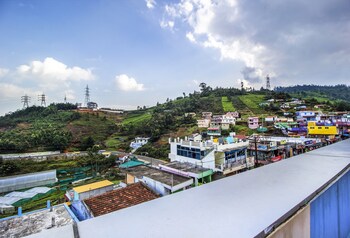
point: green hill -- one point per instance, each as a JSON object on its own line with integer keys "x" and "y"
{"x": 62, "y": 127}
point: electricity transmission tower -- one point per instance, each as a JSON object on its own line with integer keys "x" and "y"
{"x": 268, "y": 86}
{"x": 42, "y": 99}
{"x": 25, "y": 100}
{"x": 242, "y": 85}
{"x": 87, "y": 95}
{"x": 65, "y": 98}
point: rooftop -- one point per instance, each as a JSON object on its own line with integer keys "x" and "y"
{"x": 245, "y": 204}
{"x": 158, "y": 175}
{"x": 121, "y": 198}
{"x": 186, "y": 167}
{"x": 34, "y": 222}
{"x": 92, "y": 186}
{"x": 130, "y": 164}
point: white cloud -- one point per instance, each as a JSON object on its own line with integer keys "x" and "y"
{"x": 167, "y": 24}
{"x": 52, "y": 73}
{"x": 190, "y": 36}
{"x": 293, "y": 38}
{"x": 3, "y": 72}
{"x": 151, "y": 4}
{"x": 126, "y": 83}
{"x": 11, "y": 91}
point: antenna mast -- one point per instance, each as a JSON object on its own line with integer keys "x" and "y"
{"x": 42, "y": 99}
{"x": 87, "y": 95}
{"x": 25, "y": 100}
{"x": 268, "y": 86}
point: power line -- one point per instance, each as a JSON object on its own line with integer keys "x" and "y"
{"x": 42, "y": 99}
{"x": 268, "y": 86}
{"x": 87, "y": 95}
{"x": 25, "y": 100}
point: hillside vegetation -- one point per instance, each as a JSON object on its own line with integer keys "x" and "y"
{"x": 62, "y": 127}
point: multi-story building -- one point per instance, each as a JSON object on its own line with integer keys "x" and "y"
{"x": 207, "y": 115}
{"x": 325, "y": 129}
{"x": 232, "y": 114}
{"x": 229, "y": 118}
{"x": 223, "y": 158}
{"x": 253, "y": 122}
{"x": 203, "y": 123}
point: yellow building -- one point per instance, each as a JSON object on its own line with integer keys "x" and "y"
{"x": 313, "y": 129}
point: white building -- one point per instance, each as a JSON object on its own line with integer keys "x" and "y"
{"x": 139, "y": 142}
{"x": 229, "y": 119}
{"x": 224, "y": 158}
{"x": 161, "y": 182}
{"x": 203, "y": 123}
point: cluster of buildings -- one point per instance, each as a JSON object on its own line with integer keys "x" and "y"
{"x": 216, "y": 123}
{"x": 305, "y": 196}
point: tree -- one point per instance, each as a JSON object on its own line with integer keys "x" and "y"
{"x": 88, "y": 142}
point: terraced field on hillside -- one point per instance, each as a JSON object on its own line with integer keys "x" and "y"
{"x": 227, "y": 105}
{"x": 252, "y": 102}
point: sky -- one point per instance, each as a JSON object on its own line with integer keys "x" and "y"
{"x": 139, "y": 52}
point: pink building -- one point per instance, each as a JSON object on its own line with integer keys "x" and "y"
{"x": 253, "y": 122}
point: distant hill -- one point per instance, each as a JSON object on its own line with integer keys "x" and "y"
{"x": 62, "y": 127}
{"x": 337, "y": 92}
{"x": 56, "y": 127}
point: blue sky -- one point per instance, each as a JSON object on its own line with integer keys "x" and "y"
{"x": 136, "y": 52}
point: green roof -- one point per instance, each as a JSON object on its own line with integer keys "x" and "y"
{"x": 130, "y": 164}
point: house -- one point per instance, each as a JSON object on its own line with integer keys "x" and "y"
{"x": 232, "y": 114}
{"x": 161, "y": 182}
{"x": 253, "y": 122}
{"x": 119, "y": 199}
{"x": 229, "y": 118}
{"x": 139, "y": 142}
{"x": 314, "y": 128}
{"x": 203, "y": 123}
{"x": 221, "y": 157}
{"x": 214, "y": 131}
{"x": 207, "y": 115}
{"x": 195, "y": 137}
{"x": 307, "y": 115}
{"x": 198, "y": 173}
{"x": 285, "y": 106}
{"x": 92, "y": 105}
{"x": 270, "y": 119}
{"x": 89, "y": 190}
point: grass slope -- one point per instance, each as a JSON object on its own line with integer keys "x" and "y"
{"x": 227, "y": 105}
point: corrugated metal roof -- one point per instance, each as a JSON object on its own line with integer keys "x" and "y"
{"x": 92, "y": 186}
{"x": 39, "y": 190}
{"x": 243, "y": 205}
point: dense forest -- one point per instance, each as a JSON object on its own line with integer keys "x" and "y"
{"x": 340, "y": 91}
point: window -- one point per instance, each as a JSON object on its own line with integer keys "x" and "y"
{"x": 193, "y": 153}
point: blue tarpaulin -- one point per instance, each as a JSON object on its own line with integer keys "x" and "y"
{"x": 80, "y": 210}
{"x": 330, "y": 212}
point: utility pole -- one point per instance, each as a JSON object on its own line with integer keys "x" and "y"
{"x": 268, "y": 86}
{"x": 25, "y": 100}
{"x": 42, "y": 99}
{"x": 256, "y": 151}
{"x": 87, "y": 95}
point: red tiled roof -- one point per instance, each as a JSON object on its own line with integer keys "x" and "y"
{"x": 118, "y": 199}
